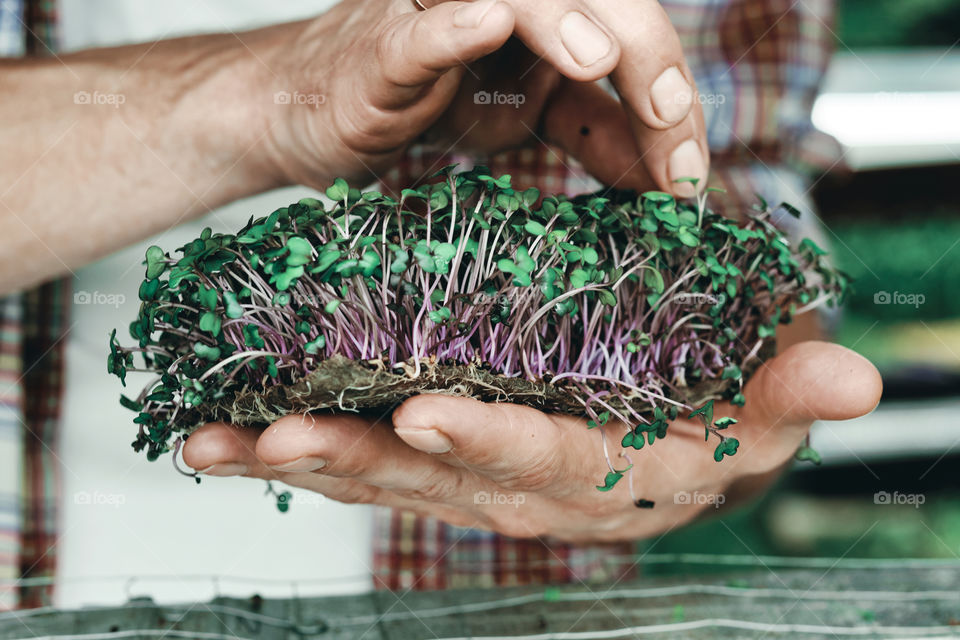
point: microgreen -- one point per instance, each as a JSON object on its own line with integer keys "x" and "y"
{"x": 624, "y": 309}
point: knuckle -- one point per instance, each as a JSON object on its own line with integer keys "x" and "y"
{"x": 538, "y": 475}
{"x": 390, "y": 46}
{"x": 541, "y": 466}
{"x": 357, "y": 494}
{"x": 361, "y": 126}
{"x": 440, "y": 485}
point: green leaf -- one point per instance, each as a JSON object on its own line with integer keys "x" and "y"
{"x": 578, "y": 278}
{"x": 440, "y": 315}
{"x": 535, "y": 228}
{"x": 208, "y": 297}
{"x": 127, "y": 403}
{"x": 765, "y": 331}
{"x": 286, "y": 278}
{"x": 607, "y": 297}
{"x": 812, "y": 246}
{"x": 723, "y": 423}
{"x": 251, "y": 336}
{"x": 314, "y": 346}
{"x": 590, "y": 255}
{"x": 331, "y": 307}
{"x": 654, "y": 280}
{"x": 325, "y": 260}
{"x": 731, "y": 372}
{"x": 206, "y": 351}
{"x": 148, "y": 290}
{"x": 806, "y": 453}
{"x": 233, "y": 308}
{"x": 155, "y": 262}
{"x": 705, "y": 413}
{"x": 524, "y": 261}
{"x": 210, "y": 322}
{"x": 686, "y": 236}
{"x": 727, "y": 447}
{"x": 300, "y": 251}
{"x": 283, "y": 501}
{"x": 611, "y": 479}
{"x": 338, "y": 190}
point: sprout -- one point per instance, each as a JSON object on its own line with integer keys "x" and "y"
{"x": 626, "y": 310}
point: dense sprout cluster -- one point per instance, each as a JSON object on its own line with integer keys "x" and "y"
{"x": 611, "y": 306}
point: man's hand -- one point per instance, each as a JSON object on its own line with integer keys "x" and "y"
{"x": 142, "y": 137}
{"x": 388, "y": 74}
{"x": 524, "y": 473}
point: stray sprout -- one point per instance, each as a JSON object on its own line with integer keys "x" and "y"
{"x": 626, "y": 310}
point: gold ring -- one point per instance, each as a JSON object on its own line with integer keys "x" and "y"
{"x": 419, "y": 5}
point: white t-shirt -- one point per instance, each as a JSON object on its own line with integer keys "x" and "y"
{"x": 126, "y": 517}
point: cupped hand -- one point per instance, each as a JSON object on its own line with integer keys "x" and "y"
{"x": 370, "y": 77}
{"x": 524, "y": 473}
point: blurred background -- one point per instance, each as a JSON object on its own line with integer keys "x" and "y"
{"x": 889, "y": 485}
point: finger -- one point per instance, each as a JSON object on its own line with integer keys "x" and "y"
{"x": 648, "y": 70}
{"x": 517, "y": 447}
{"x": 591, "y": 125}
{"x": 813, "y": 381}
{"x": 418, "y": 48}
{"x": 807, "y": 382}
{"x": 673, "y": 154}
{"x": 631, "y": 39}
{"x": 220, "y": 449}
{"x": 368, "y": 452}
{"x": 569, "y": 35}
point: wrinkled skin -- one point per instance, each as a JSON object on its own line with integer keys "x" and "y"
{"x": 402, "y": 75}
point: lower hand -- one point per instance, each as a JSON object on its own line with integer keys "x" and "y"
{"x": 438, "y": 454}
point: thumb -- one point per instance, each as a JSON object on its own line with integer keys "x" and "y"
{"x": 812, "y": 381}
{"x": 419, "y": 47}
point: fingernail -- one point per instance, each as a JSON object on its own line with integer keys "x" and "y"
{"x": 306, "y": 463}
{"x": 470, "y": 16}
{"x": 687, "y": 161}
{"x": 583, "y": 39}
{"x": 429, "y": 440}
{"x": 225, "y": 469}
{"x": 671, "y": 96}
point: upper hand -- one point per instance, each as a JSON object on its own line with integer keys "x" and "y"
{"x": 439, "y": 454}
{"x": 390, "y": 75}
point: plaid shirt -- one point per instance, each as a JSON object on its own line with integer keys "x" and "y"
{"x": 758, "y": 65}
